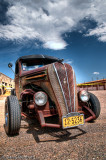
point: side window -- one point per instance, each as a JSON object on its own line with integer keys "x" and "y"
{"x": 17, "y": 68}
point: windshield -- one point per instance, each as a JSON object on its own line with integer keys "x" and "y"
{"x": 28, "y": 67}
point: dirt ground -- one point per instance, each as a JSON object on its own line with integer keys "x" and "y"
{"x": 86, "y": 142}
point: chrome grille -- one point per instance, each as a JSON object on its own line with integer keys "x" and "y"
{"x": 66, "y": 84}
{"x": 57, "y": 90}
{"x": 65, "y": 73}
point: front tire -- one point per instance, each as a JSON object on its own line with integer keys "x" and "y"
{"x": 12, "y": 115}
{"x": 13, "y": 92}
{"x": 95, "y": 105}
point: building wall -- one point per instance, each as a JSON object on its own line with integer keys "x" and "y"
{"x": 5, "y": 81}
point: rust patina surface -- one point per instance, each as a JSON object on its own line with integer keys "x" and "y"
{"x": 41, "y": 73}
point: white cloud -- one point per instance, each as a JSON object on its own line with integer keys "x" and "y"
{"x": 69, "y": 61}
{"x": 99, "y": 31}
{"x": 56, "y": 45}
{"x": 36, "y": 45}
{"x": 47, "y": 20}
{"x": 96, "y": 73}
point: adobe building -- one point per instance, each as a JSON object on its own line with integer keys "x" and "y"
{"x": 5, "y": 82}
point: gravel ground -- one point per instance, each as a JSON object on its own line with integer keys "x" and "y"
{"x": 86, "y": 142}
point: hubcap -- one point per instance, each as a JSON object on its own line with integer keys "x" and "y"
{"x": 6, "y": 119}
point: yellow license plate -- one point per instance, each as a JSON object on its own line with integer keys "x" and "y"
{"x": 73, "y": 121}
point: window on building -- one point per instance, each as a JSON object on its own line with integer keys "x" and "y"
{"x": 5, "y": 84}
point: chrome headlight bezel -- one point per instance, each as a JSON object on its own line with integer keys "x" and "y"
{"x": 84, "y": 96}
{"x": 40, "y": 98}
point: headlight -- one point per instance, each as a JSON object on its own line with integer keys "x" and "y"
{"x": 40, "y": 98}
{"x": 84, "y": 96}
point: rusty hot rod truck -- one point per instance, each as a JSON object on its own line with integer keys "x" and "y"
{"x": 46, "y": 87}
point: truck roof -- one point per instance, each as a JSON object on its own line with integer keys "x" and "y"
{"x": 41, "y": 57}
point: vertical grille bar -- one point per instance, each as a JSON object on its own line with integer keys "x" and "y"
{"x": 70, "y": 76}
{"x": 61, "y": 87}
{"x": 68, "y": 86}
{"x": 74, "y": 88}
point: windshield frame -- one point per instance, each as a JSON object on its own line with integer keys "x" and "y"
{"x": 27, "y": 67}
{"x": 25, "y": 73}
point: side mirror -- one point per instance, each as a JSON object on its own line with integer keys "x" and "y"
{"x": 10, "y": 65}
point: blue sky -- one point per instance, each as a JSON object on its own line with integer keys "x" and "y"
{"x": 72, "y": 30}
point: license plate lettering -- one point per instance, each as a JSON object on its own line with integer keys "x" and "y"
{"x": 73, "y": 121}
{"x": 81, "y": 119}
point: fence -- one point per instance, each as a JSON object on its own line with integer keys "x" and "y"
{"x": 93, "y": 86}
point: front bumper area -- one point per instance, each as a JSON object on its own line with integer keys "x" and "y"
{"x": 72, "y": 119}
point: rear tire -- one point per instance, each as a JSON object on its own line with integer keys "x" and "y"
{"x": 12, "y": 115}
{"x": 95, "y": 105}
